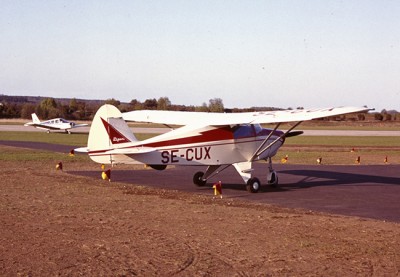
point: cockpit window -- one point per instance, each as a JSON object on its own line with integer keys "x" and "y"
{"x": 258, "y": 129}
{"x": 243, "y": 131}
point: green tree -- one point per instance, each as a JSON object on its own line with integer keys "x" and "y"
{"x": 73, "y": 105}
{"x": 113, "y": 102}
{"x": 27, "y": 110}
{"x": 215, "y": 105}
{"x": 47, "y": 109}
{"x": 163, "y": 103}
{"x": 150, "y": 104}
{"x": 136, "y": 104}
{"x": 202, "y": 108}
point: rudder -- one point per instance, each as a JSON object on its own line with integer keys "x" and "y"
{"x": 108, "y": 131}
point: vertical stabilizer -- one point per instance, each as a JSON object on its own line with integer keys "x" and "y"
{"x": 108, "y": 131}
{"x": 35, "y": 119}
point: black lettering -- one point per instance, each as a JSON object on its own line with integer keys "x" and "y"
{"x": 207, "y": 155}
{"x": 165, "y": 157}
{"x": 189, "y": 154}
{"x": 198, "y": 153}
{"x": 174, "y": 156}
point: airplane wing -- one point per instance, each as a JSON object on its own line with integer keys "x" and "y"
{"x": 217, "y": 119}
{"x": 79, "y": 125}
{"x": 70, "y": 125}
{"x": 41, "y": 126}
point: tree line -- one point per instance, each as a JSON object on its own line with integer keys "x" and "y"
{"x": 78, "y": 109}
{"x": 75, "y": 109}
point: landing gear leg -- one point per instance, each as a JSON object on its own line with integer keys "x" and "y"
{"x": 272, "y": 178}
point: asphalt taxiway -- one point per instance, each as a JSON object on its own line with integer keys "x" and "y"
{"x": 369, "y": 191}
{"x": 366, "y": 191}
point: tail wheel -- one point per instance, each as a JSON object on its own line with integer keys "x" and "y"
{"x": 253, "y": 185}
{"x": 273, "y": 179}
{"x": 198, "y": 179}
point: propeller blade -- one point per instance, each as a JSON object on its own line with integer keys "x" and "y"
{"x": 294, "y": 133}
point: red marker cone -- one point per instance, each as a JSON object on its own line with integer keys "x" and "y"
{"x": 218, "y": 189}
{"x": 59, "y": 166}
{"x": 106, "y": 175}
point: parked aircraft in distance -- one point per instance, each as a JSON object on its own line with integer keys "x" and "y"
{"x": 215, "y": 140}
{"x": 53, "y": 124}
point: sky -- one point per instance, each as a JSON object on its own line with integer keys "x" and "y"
{"x": 298, "y": 53}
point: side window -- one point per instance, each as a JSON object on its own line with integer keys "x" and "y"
{"x": 258, "y": 129}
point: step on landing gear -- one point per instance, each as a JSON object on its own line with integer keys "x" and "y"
{"x": 272, "y": 178}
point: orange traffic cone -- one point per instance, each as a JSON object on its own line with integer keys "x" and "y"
{"x": 386, "y": 160}
{"x": 358, "y": 160}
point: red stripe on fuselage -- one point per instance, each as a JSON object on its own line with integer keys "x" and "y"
{"x": 219, "y": 134}
{"x": 211, "y": 137}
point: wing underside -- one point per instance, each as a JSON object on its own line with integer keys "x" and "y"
{"x": 218, "y": 119}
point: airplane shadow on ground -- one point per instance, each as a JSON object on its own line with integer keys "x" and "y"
{"x": 295, "y": 179}
{"x": 290, "y": 179}
{"x": 312, "y": 178}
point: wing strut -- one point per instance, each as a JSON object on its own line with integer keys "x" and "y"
{"x": 264, "y": 142}
{"x": 212, "y": 171}
{"x": 259, "y": 151}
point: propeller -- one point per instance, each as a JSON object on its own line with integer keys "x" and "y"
{"x": 293, "y": 134}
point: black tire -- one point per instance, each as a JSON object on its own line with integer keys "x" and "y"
{"x": 198, "y": 179}
{"x": 273, "y": 180}
{"x": 253, "y": 185}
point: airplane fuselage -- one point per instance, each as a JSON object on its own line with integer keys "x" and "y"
{"x": 205, "y": 146}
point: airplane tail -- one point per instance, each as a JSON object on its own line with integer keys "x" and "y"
{"x": 35, "y": 119}
{"x": 108, "y": 131}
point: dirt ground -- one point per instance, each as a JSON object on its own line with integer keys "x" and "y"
{"x": 56, "y": 223}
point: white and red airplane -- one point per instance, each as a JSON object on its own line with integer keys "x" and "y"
{"x": 215, "y": 140}
{"x": 53, "y": 124}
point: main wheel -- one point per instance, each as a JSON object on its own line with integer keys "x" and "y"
{"x": 198, "y": 179}
{"x": 253, "y": 185}
{"x": 272, "y": 179}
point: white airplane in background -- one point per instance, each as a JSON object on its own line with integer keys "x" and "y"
{"x": 53, "y": 124}
{"x": 215, "y": 140}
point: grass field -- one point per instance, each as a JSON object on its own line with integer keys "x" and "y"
{"x": 300, "y": 150}
{"x": 75, "y": 139}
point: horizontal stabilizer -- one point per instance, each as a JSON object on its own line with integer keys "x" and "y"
{"x": 130, "y": 151}
{"x": 81, "y": 150}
